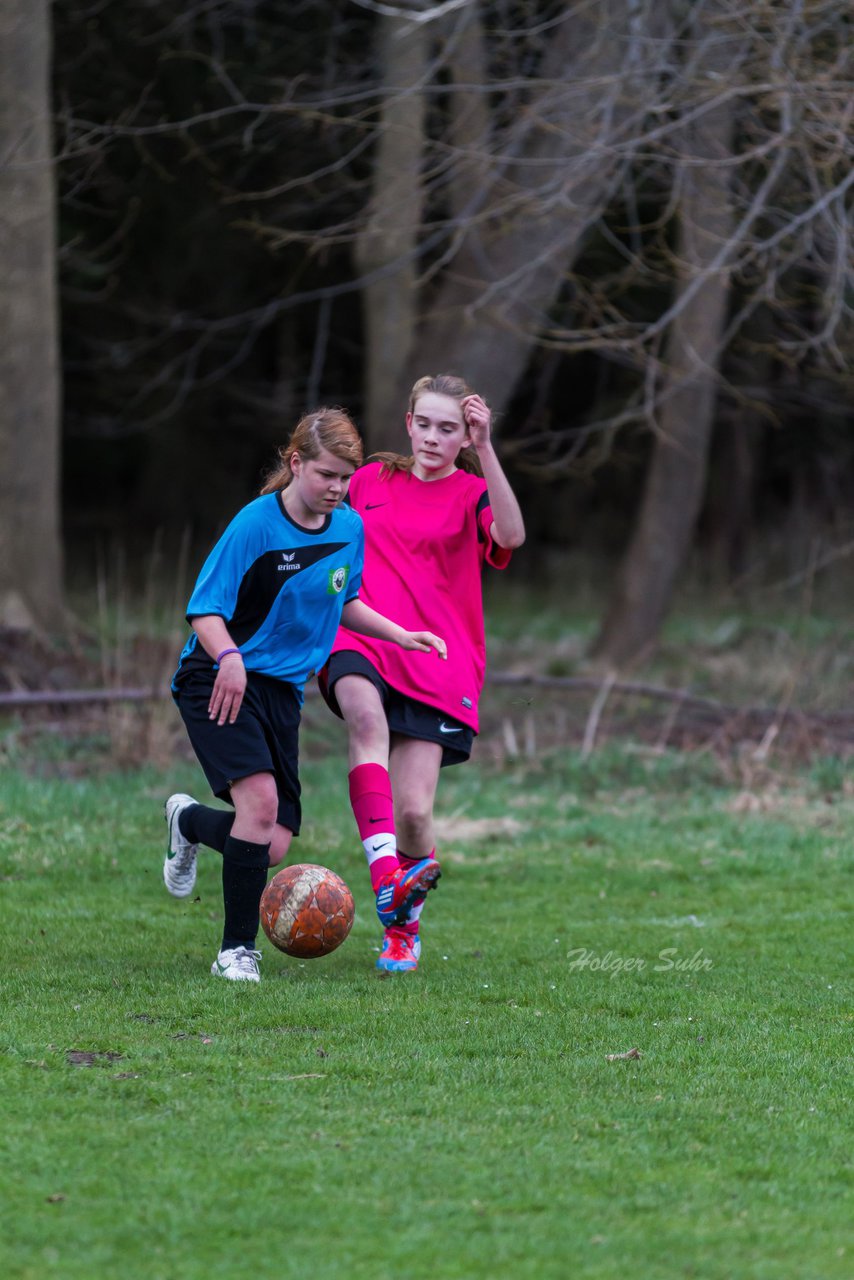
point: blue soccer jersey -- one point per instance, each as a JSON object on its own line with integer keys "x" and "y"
{"x": 279, "y": 588}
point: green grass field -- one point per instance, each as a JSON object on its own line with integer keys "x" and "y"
{"x": 475, "y": 1119}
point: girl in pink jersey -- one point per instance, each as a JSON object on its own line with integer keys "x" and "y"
{"x": 431, "y": 522}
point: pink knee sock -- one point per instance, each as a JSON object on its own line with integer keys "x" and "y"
{"x": 370, "y": 798}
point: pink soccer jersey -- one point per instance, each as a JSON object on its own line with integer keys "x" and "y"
{"x": 425, "y": 546}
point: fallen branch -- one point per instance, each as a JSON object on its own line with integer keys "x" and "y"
{"x": 762, "y": 717}
{"x": 638, "y": 688}
{"x": 84, "y": 697}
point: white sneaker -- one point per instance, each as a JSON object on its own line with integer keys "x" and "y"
{"x": 179, "y": 865}
{"x": 239, "y": 965}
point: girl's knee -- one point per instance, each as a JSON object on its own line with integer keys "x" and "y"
{"x": 414, "y": 823}
{"x": 366, "y": 723}
{"x": 258, "y": 801}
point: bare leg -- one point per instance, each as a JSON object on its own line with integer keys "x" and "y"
{"x": 415, "y": 774}
{"x": 367, "y": 728}
{"x": 414, "y": 769}
{"x": 255, "y": 799}
{"x": 256, "y": 808}
{"x": 280, "y": 844}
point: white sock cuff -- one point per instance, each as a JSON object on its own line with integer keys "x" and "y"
{"x": 380, "y": 845}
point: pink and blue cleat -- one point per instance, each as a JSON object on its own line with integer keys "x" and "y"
{"x": 400, "y": 952}
{"x": 401, "y": 888}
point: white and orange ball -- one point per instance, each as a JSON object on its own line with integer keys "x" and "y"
{"x": 307, "y": 910}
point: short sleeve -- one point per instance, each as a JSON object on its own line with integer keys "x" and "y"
{"x": 355, "y": 580}
{"x": 219, "y": 580}
{"x": 495, "y": 556}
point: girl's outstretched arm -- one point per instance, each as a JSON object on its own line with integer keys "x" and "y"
{"x": 361, "y": 618}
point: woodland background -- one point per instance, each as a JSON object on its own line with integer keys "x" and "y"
{"x": 626, "y": 222}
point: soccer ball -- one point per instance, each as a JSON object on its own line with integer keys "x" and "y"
{"x": 306, "y": 910}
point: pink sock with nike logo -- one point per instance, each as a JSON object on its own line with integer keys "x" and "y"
{"x": 373, "y": 809}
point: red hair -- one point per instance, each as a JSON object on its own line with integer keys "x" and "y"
{"x": 329, "y": 429}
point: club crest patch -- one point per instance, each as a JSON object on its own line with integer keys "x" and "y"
{"x": 337, "y": 580}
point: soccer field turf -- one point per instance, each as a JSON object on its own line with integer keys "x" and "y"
{"x": 477, "y": 1119}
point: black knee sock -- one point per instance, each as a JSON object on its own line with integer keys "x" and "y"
{"x": 244, "y": 875}
{"x": 200, "y": 824}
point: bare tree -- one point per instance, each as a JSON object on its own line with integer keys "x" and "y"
{"x": 506, "y": 188}
{"x": 508, "y": 193}
{"x": 750, "y": 152}
{"x": 31, "y": 591}
{"x": 539, "y": 176}
{"x": 675, "y": 482}
{"x": 385, "y": 248}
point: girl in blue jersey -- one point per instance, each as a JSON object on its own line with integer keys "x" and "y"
{"x": 264, "y": 612}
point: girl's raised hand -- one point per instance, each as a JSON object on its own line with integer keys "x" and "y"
{"x": 478, "y": 419}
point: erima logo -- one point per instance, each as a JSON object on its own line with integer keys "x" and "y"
{"x": 288, "y": 565}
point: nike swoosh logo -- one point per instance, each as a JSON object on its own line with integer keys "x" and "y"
{"x": 376, "y": 820}
{"x": 369, "y": 506}
{"x": 444, "y": 728}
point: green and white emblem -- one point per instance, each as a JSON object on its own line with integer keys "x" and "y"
{"x": 337, "y": 580}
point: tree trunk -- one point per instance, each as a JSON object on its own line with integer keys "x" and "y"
{"x": 548, "y": 180}
{"x": 731, "y": 518}
{"x": 30, "y": 540}
{"x": 675, "y": 482}
{"x": 386, "y": 247}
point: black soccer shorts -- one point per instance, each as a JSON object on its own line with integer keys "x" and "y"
{"x": 263, "y": 739}
{"x": 406, "y": 716}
